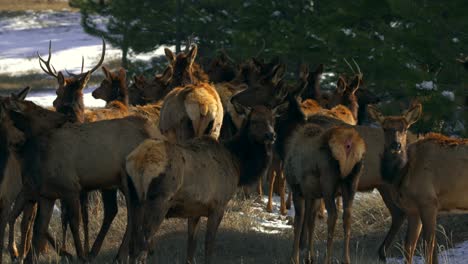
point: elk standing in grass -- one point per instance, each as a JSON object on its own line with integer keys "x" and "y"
{"x": 10, "y": 167}
{"x": 430, "y": 176}
{"x": 172, "y": 180}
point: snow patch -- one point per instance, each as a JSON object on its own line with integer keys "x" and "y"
{"x": 456, "y": 255}
{"x": 449, "y": 94}
{"x": 45, "y": 98}
{"x": 348, "y": 32}
{"x": 426, "y": 85}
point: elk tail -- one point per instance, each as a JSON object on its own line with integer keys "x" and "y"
{"x": 347, "y": 147}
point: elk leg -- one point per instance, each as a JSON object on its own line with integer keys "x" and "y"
{"x": 289, "y": 201}
{"x": 299, "y": 207}
{"x": 428, "y": 218}
{"x": 348, "y": 198}
{"x": 16, "y": 211}
{"x": 124, "y": 249}
{"x": 193, "y": 228}
{"x": 73, "y": 203}
{"x": 305, "y": 227}
{"x": 29, "y": 214}
{"x": 282, "y": 186}
{"x": 109, "y": 198}
{"x": 85, "y": 218}
{"x": 412, "y": 235}
{"x": 214, "y": 219}
{"x": 65, "y": 215}
{"x": 321, "y": 213}
{"x": 46, "y": 207}
{"x": 398, "y": 218}
{"x": 331, "y": 223}
{"x": 271, "y": 184}
{"x": 315, "y": 205}
{"x": 5, "y": 212}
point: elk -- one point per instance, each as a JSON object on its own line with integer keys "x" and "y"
{"x": 222, "y": 68}
{"x": 193, "y": 108}
{"x": 170, "y": 180}
{"x": 429, "y": 176}
{"x": 77, "y": 158}
{"x": 10, "y": 166}
{"x": 69, "y": 101}
{"x": 113, "y": 86}
{"x": 143, "y": 92}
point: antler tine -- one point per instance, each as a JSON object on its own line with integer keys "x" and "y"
{"x": 50, "y": 68}
{"x": 82, "y": 63}
{"x": 349, "y": 65}
{"x": 358, "y": 68}
{"x": 102, "y": 57}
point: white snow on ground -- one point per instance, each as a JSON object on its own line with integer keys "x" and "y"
{"x": 456, "y": 255}
{"x": 45, "y": 98}
{"x": 426, "y": 85}
{"x": 270, "y": 223}
{"x": 21, "y": 37}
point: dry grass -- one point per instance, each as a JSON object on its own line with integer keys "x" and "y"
{"x": 238, "y": 243}
{"x": 22, "y": 5}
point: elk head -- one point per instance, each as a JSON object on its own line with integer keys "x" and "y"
{"x": 313, "y": 88}
{"x": 395, "y": 131}
{"x": 113, "y": 87}
{"x": 182, "y": 66}
{"x": 222, "y": 68}
{"x": 345, "y": 94}
{"x": 270, "y": 91}
{"x": 69, "y": 99}
{"x": 142, "y": 92}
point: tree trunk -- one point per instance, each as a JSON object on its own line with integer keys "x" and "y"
{"x": 179, "y": 13}
{"x": 124, "y": 57}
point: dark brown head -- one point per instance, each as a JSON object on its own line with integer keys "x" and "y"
{"x": 313, "y": 88}
{"x": 222, "y": 69}
{"x": 185, "y": 70}
{"x": 396, "y": 127}
{"x": 69, "y": 99}
{"x": 270, "y": 91}
{"x": 113, "y": 87}
{"x": 142, "y": 92}
{"x": 345, "y": 94}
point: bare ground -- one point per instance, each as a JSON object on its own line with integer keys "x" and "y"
{"x": 238, "y": 243}
{"x": 22, "y": 5}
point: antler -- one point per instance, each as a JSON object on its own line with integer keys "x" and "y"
{"x": 95, "y": 67}
{"x": 50, "y": 68}
{"x": 189, "y": 43}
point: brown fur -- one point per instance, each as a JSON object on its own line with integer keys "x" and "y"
{"x": 310, "y": 107}
{"x": 70, "y": 147}
{"x": 198, "y": 104}
{"x": 194, "y": 179}
{"x": 311, "y": 174}
{"x": 430, "y": 176}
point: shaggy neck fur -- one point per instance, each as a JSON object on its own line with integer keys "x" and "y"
{"x": 287, "y": 124}
{"x": 4, "y": 152}
{"x": 392, "y": 165}
{"x": 74, "y": 111}
{"x": 253, "y": 158}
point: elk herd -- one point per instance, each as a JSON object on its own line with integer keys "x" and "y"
{"x": 182, "y": 144}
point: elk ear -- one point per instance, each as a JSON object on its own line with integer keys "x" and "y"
{"x": 319, "y": 69}
{"x": 22, "y": 94}
{"x": 375, "y": 114}
{"x": 193, "y": 53}
{"x": 341, "y": 84}
{"x": 257, "y": 63}
{"x": 107, "y": 73}
{"x": 304, "y": 72}
{"x": 122, "y": 74}
{"x": 170, "y": 55}
{"x": 167, "y": 75}
{"x": 60, "y": 79}
{"x": 278, "y": 73}
{"x": 241, "y": 109}
{"x": 413, "y": 114}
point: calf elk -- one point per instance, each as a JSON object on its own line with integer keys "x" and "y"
{"x": 430, "y": 176}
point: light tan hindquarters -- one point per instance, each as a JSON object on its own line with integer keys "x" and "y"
{"x": 347, "y": 147}
{"x": 146, "y": 162}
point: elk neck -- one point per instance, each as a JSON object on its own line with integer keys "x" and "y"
{"x": 287, "y": 124}
{"x": 393, "y": 165}
{"x": 252, "y": 158}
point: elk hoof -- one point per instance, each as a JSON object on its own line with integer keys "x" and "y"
{"x": 269, "y": 208}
